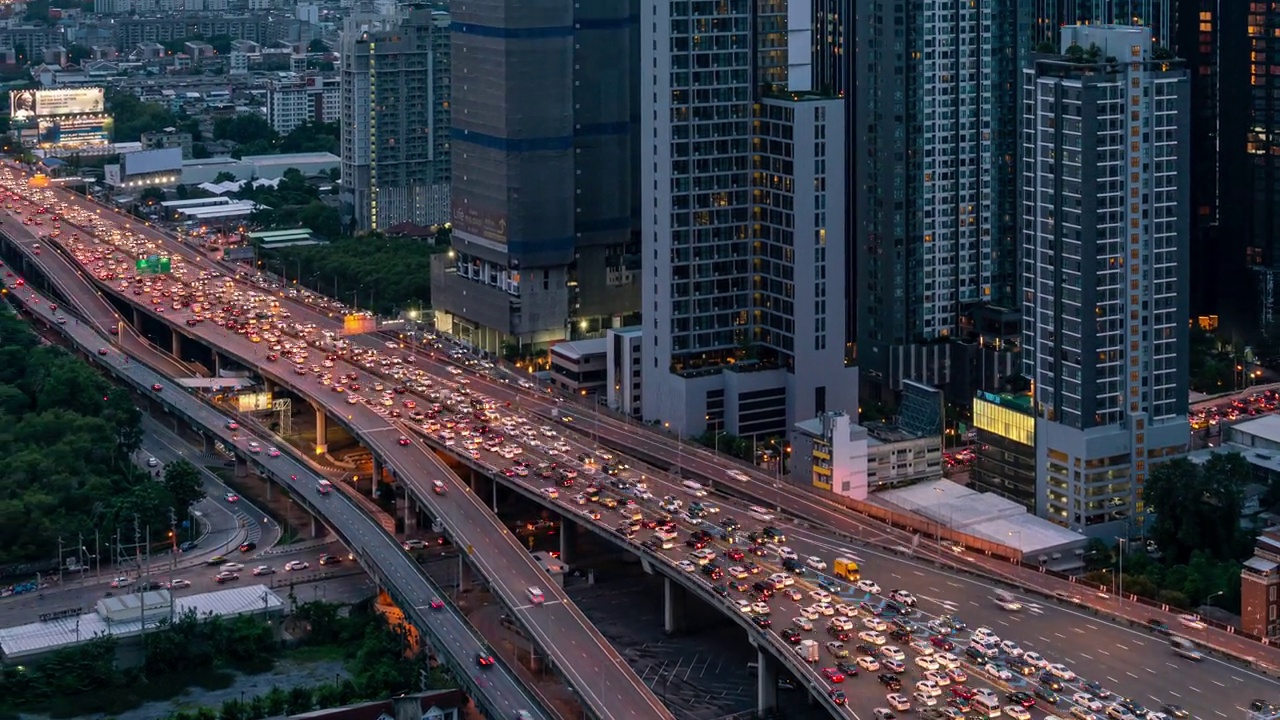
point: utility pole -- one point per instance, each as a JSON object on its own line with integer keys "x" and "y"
{"x": 173, "y": 556}
{"x": 97, "y": 553}
{"x": 137, "y": 543}
{"x": 59, "y": 559}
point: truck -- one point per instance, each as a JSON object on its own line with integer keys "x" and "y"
{"x": 847, "y": 569}
{"x": 808, "y": 650}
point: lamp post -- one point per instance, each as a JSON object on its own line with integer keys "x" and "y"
{"x": 1018, "y": 546}
{"x": 1212, "y": 596}
{"x": 1120, "y": 573}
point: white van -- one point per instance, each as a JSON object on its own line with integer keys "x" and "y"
{"x": 987, "y": 703}
{"x": 666, "y": 541}
{"x": 694, "y": 489}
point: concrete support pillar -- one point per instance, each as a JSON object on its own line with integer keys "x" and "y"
{"x": 242, "y": 467}
{"x": 217, "y": 364}
{"x": 568, "y": 540}
{"x": 377, "y": 475}
{"x": 269, "y": 484}
{"x": 209, "y": 448}
{"x": 315, "y": 527}
{"x": 137, "y": 318}
{"x": 494, "y": 486}
{"x": 410, "y": 517}
{"x": 766, "y": 683}
{"x": 269, "y": 387}
{"x": 322, "y": 431}
{"x": 175, "y": 344}
{"x": 673, "y": 600}
{"x": 464, "y": 573}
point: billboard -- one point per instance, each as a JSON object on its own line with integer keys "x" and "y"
{"x": 490, "y": 226}
{"x": 29, "y": 104}
{"x": 359, "y": 324}
{"x": 72, "y": 131}
{"x": 253, "y": 402}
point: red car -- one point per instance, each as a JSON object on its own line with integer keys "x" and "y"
{"x": 734, "y": 554}
{"x": 437, "y": 603}
{"x": 833, "y": 675}
{"x": 157, "y": 387}
{"x": 963, "y": 692}
{"x": 484, "y": 660}
{"x": 404, "y": 440}
{"x": 942, "y": 643}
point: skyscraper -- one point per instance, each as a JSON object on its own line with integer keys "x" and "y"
{"x": 743, "y": 214}
{"x": 544, "y": 197}
{"x": 1105, "y": 168}
{"x": 395, "y": 117}
{"x": 934, "y": 223}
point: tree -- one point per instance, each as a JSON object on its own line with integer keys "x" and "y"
{"x": 132, "y": 117}
{"x": 1198, "y": 507}
{"x": 182, "y": 192}
{"x": 324, "y": 220}
{"x": 243, "y": 129}
{"x": 151, "y": 196}
{"x": 317, "y": 46}
{"x": 77, "y": 53}
{"x": 224, "y": 176}
{"x": 397, "y": 270}
{"x": 182, "y": 481}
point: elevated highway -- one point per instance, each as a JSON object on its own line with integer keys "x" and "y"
{"x": 497, "y": 691}
{"x": 600, "y": 676}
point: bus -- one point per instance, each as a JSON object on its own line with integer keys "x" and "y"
{"x": 666, "y": 541}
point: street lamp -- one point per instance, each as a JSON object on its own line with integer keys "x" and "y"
{"x": 1018, "y": 548}
{"x": 1212, "y": 596}
{"x": 1120, "y": 574}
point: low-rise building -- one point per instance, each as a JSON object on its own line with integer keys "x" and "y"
{"x": 1260, "y": 587}
{"x": 168, "y": 138}
{"x": 622, "y": 369}
{"x": 1005, "y": 459}
{"x": 897, "y": 457}
{"x": 579, "y": 367}
{"x": 833, "y": 449}
{"x": 145, "y": 168}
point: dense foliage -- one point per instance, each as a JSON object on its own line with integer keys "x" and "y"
{"x": 378, "y": 657}
{"x": 255, "y": 136}
{"x": 132, "y": 117}
{"x": 387, "y": 274}
{"x": 67, "y": 436}
{"x": 293, "y": 202}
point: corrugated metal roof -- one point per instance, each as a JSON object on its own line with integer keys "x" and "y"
{"x": 41, "y": 637}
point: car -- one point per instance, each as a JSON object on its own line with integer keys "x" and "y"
{"x": 437, "y": 603}
{"x": 157, "y": 387}
{"x": 837, "y": 696}
{"x": 686, "y": 566}
{"x": 535, "y": 595}
{"x": 1079, "y": 713}
{"x": 903, "y": 597}
{"x": 883, "y": 714}
{"x": 942, "y": 643}
{"x": 231, "y": 497}
{"x": 1094, "y": 688}
{"x": 1021, "y": 697}
{"x": 152, "y": 462}
{"x": 890, "y": 681}
{"x": 924, "y": 662}
{"x": 264, "y": 570}
{"x": 1087, "y": 701}
{"x": 178, "y": 584}
{"x": 997, "y": 672}
{"x": 323, "y": 487}
{"x": 898, "y": 701}
{"x": 1010, "y": 648}
{"x": 928, "y": 687}
{"x": 1192, "y": 622}
{"x": 832, "y": 675}
{"x": 892, "y": 652}
{"x": 296, "y": 565}
{"x": 232, "y": 566}
{"x": 328, "y": 559}
{"x": 816, "y": 563}
{"x": 484, "y": 660}
{"x": 403, "y": 440}
{"x": 868, "y": 663}
{"x": 248, "y": 546}
{"x": 787, "y": 553}
{"x": 273, "y": 452}
{"x": 964, "y": 692}
{"x": 225, "y": 577}
{"x": 120, "y": 582}
{"x": 803, "y": 623}
{"x": 837, "y": 649}
{"x": 868, "y": 586}
{"x": 1061, "y": 671}
{"x": 1017, "y": 712}
{"x": 1035, "y": 659}
{"x": 1176, "y": 711}
{"x": 255, "y": 447}
{"x": 791, "y": 635}
{"x": 1047, "y": 695}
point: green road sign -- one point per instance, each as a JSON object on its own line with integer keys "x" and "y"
{"x": 153, "y": 265}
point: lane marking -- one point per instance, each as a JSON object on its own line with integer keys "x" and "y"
{"x": 1215, "y": 682}
{"x": 1126, "y": 672}
{"x": 1174, "y": 694}
{"x": 1122, "y": 647}
{"x": 1086, "y": 657}
{"x": 1104, "y": 652}
{"x": 1153, "y": 672}
{"x": 1233, "y": 677}
{"x": 1064, "y": 637}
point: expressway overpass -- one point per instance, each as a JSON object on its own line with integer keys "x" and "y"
{"x": 498, "y": 693}
{"x": 600, "y": 676}
{"x": 842, "y": 526}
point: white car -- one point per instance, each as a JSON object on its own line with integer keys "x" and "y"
{"x": 743, "y": 606}
{"x": 535, "y": 595}
{"x": 820, "y": 595}
{"x": 892, "y": 652}
{"x": 824, "y": 608}
{"x": 985, "y": 634}
{"x": 787, "y": 553}
{"x": 997, "y": 672}
{"x": 686, "y": 566}
{"x": 1017, "y": 712}
{"x": 957, "y": 674}
{"x": 550, "y": 492}
{"x": 738, "y": 572}
{"x": 760, "y": 608}
{"x": 273, "y": 452}
{"x": 810, "y": 613}
{"x": 923, "y": 700}
{"x": 871, "y": 636}
{"x": 1035, "y": 659}
{"x": 947, "y": 660}
{"x": 1062, "y": 672}
{"x": 781, "y": 579}
{"x": 816, "y": 563}
{"x": 868, "y": 663}
{"x": 874, "y": 623}
{"x": 904, "y": 597}
{"x": 231, "y": 567}
{"x": 841, "y": 622}
{"x": 1191, "y": 621}
{"x": 152, "y": 462}
{"x": 868, "y": 586}
{"x": 254, "y": 447}
{"x": 264, "y": 570}
{"x": 898, "y": 702}
{"x": 120, "y": 582}
{"x": 937, "y": 678}
{"x": 1087, "y": 701}
{"x": 802, "y": 623}
{"x": 794, "y": 593}
{"x": 1011, "y": 648}
{"x": 296, "y": 565}
{"x": 924, "y": 662}
{"x": 928, "y": 687}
